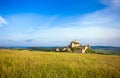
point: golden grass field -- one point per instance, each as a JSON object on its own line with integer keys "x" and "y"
{"x": 36, "y": 64}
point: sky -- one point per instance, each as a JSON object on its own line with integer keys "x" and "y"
{"x": 58, "y": 22}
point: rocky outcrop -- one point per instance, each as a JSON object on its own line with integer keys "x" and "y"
{"x": 85, "y": 48}
{"x": 76, "y": 45}
{"x": 68, "y": 49}
{"x": 64, "y": 49}
{"x": 57, "y": 49}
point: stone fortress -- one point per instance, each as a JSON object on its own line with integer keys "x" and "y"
{"x": 75, "y": 45}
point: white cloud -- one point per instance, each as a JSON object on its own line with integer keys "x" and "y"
{"x": 112, "y": 3}
{"x": 116, "y": 3}
{"x": 51, "y": 19}
{"x": 62, "y": 36}
{"x": 107, "y": 17}
{"x": 29, "y": 30}
{"x": 2, "y": 21}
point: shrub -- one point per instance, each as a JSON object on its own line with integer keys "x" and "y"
{"x": 90, "y": 51}
{"x": 75, "y": 49}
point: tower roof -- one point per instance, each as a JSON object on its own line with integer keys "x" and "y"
{"x": 75, "y": 42}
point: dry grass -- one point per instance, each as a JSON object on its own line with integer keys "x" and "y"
{"x": 31, "y": 64}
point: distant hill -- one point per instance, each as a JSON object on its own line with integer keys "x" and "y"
{"x": 106, "y": 49}
{"x": 98, "y": 49}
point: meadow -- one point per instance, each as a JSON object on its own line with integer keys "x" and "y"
{"x": 37, "y": 64}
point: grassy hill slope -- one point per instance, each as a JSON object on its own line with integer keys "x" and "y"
{"x": 35, "y": 64}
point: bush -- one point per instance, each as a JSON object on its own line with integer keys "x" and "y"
{"x": 75, "y": 49}
{"x": 90, "y": 51}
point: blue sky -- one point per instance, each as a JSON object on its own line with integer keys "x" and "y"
{"x": 58, "y": 22}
